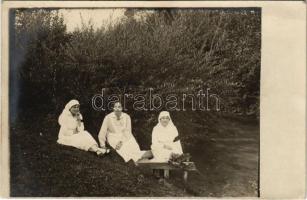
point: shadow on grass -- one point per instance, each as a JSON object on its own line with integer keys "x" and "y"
{"x": 41, "y": 167}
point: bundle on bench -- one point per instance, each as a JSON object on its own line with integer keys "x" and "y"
{"x": 166, "y": 167}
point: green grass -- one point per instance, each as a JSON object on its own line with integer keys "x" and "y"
{"x": 227, "y": 159}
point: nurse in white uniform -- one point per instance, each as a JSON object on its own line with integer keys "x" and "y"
{"x": 72, "y": 131}
{"x": 163, "y": 139}
{"x": 116, "y": 130}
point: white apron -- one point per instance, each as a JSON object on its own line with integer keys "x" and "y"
{"x": 163, "y": 155}
{"x": 113, "y": 131}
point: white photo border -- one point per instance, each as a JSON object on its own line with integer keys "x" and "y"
{"x": 283, "y": 87}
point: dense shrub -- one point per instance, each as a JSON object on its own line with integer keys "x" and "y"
{"x": 168, "y": 50}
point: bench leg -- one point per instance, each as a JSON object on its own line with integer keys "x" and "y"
{"x": 166, "y": 173}
{"x": 185, "y": 176}
{"x": 156, "y": 173}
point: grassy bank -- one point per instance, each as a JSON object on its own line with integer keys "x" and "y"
{"x": 227, "y": 159}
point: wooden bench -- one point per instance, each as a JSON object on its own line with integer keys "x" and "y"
{"x": 167, "y": 167}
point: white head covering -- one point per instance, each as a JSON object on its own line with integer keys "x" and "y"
{"x": 167, "y": 133}
{"x": 71, "y": 103}
{"x": 165, "y": 114}
{"x": 170, "y": 126}
{"x": 66, "y": 114}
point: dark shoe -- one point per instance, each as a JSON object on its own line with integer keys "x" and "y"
{"x": 147, "y": 155}
{"x": 99, "y": 153}
{"x": 131, "y": 163}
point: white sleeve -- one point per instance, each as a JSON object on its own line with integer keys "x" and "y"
{"x": 68, "y": 125}
{"x": 128, "y": 124}
{"x": 155, "y": 143}
{"x": 175, "y": 132}
{"x": 102, "y": 136}
{"x": 81, "y": 127}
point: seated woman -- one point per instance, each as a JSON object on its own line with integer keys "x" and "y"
{"x": 163, "y": 139}
{"x": 72, "y": 131}
{"x": 116, "y": 130}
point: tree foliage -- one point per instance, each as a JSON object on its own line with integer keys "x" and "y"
{"x": 169, "y": 50}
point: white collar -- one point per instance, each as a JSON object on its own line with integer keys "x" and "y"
{"x": 114, "y": 116}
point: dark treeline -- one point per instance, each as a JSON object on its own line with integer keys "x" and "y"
{"x": 168, "y": 50}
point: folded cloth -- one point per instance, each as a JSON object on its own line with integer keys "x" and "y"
{"x": 180, "y": 161}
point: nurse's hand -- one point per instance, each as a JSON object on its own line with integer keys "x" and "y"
{"x": 119, "y": 145}
{"x": 168, "y": 147}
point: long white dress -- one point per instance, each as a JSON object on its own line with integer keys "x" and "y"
{"x": 73, "y": 134}
{"x": 162, "y": 136}
{"x": 114, "y": 130}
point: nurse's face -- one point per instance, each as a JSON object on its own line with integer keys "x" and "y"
{"x": 118, "y": 108}
{"x": 164, "y": 121}
{"x": 75, "y": 109}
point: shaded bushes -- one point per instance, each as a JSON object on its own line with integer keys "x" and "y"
{"x": 168, "y": 50}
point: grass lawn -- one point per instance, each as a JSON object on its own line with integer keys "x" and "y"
{"x": 227, "y": 160}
